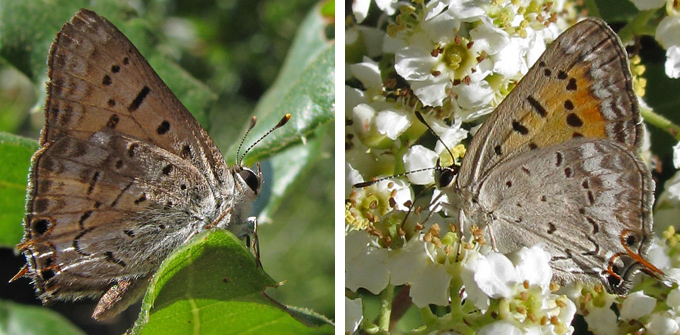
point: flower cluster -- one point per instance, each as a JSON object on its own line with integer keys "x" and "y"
{"x": 666, "y": 32}
{"x": 452, "y": 62}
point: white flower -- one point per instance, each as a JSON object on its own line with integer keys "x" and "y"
{"x": 393, "y": 122}
{"x": 431, "y": 73}
{"x": 648, "y": 4}
{"x": 353, "y": 177}
{"x": 500, "y": 327}
{"x": 474, "y": 95}
{"x": 363, "y": 119}
{"x": 376, "y": 122}
{"x": 672, "y": 188}
{"x": 658, "y": 256}
{"x": 404, "y": 262}
{"x": 432, "y": 92}
{"x": 667, "y": 208}
{"x": 372, "y": 267}
{"x": 418, "y": 158}
{"x": 495, "y": 276}
{"x": 636, "y": 305}
{"x": 522, "y": 283}
{"x": 360, "y": 8}
{"x": 430, "y": 286}
{"x": 371, "y": 40}
{"x": 365, "y": 263}
{"x": 489, "y": 38}
{"x": 450, "y": 135}
{"x": 673, "y": 300}
{"x": 363, "y": 160}
{"x": 667, "y": 31}
{"x": 368, "y": 74}
{"x": 672, "y": 65}
{"x": 676, "y": 156}
{"x": 465, "y": 10}
{"x": 418, "y": 265}
{"x": 353, "y": 314}
{"x": 510, "y": 61}
{"x": 662, "y": 323}
{"x": 602, "y": 321}
{"x": 533, "y": 266}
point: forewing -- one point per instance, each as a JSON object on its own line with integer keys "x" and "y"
{"x": 582, "y": 83}
{"x": 98, "y": 79}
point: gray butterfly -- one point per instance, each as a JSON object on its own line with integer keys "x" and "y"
{"x": 557, "y": 163}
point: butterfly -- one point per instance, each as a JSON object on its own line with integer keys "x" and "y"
{"x": 557, "y": 163}
{"x": 124, "y": 175}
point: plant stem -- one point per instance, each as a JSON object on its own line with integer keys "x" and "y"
{"x": 385, "y": 309}
{"x": 637, "y": 26}
{"x": 661, "y": 122}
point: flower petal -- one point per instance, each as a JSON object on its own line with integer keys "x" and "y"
{"x": 672, "y": 65}
{"x": 636, "y": 305}
{"x": 353, "y": 314}
{"x": 417, "y": 158}
{"x": 431, "y": 286}
{"x": 365, "y": 265}
{"x": 500, "y": 327}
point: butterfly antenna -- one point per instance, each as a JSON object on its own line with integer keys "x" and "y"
{"x": 438, "y": 167}
{"x": 422, "y": 120}
{"x": 375, "y": 181}
{"x": 283, "y": 121}
{"x": 250, "y": 127}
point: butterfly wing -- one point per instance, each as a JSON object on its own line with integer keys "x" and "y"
{"x": 98, "y": 79}
{"x": 587, "y": 68}
{"x": 125, "y": 173}
{"x": 588, "y": 201}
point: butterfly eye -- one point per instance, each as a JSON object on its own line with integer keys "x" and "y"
{"x": 445, "y": 177}
{"x": 251, "y": 179}
{"x": 630, "y": 239}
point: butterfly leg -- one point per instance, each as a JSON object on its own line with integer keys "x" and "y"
{"x": 248, "y": 235}
{"x": 492, "y": 240}
{"x": 119, "y": 296}
{"x": 461, "y": 219}
{"x": 254, "y": 245}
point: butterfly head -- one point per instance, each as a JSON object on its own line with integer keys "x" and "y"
{"x": 248, "y": 180}
{"x": 623, "y": 266}
{"x": 445, "y": 176}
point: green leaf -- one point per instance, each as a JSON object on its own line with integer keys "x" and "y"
{"x": 328, "y": 9}
{"x": 28, "y": 28}
{"x": 21, "y": 319}
{"x": 212, "y": 285}
{"x": 16, "y": 152}
{"x": 305, "y": 88}
{"x": 292, "y": 166}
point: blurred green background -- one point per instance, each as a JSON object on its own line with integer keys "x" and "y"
{"x": 219, "y": 57}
